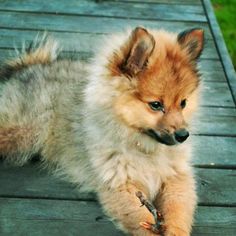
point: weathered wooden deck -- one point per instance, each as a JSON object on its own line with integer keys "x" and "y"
{"x": 34, "y": 203}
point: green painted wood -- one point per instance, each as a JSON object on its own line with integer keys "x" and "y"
{"x": 76, "y": 41}
{"x": 111, "y": 9}
{"x": 211, "y": 69}
{"x": 215, "y": 221}
{"x": 51, "y": 217}
{"x": 47, "y": 217}
{"x": 216, "y": 94}
{"x": 215, "y": 186}
{"x": 209, "y": 65}
{"x": 71, "y": 23}
{"x": 60, "y": 217}
{"x": 33, "y": 181}
{"x": 9, "y": 54}
{"x": 215, "y": 121}
{"x": 182, "y": 2}
{"x": 224, "y": 55}
{"x": 213, "y": 151}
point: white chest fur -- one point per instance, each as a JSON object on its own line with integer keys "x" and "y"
{"x": 118, "y": 168}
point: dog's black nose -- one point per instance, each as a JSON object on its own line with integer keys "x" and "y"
{"x": 181, "y": 135}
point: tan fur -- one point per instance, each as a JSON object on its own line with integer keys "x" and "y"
{"x": 126, "y": 208}
{"x": 15, "y": 139}
{"x": 40, "y": 56}
{"x": 42, "y": 51}
{"x": 89, "y": 122}
{"x": 178, "y": 203}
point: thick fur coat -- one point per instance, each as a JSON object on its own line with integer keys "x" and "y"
{"x": 113, "y": 126}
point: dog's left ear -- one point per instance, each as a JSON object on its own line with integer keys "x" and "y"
{"x": 193, "y": 41}
{"x": 140, "y": 46}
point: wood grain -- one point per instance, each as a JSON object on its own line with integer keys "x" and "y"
{"x": 110, "y": 9}
{"x": 89, "y": 24}
{"x": 53, "y": 217}
{"x": 187, "y": 2}
{"x": 214, "y": 152}
{"x": 211, "y": 70}
{"x": 224, "y": 55}
{"x": 215, "y": 121}
{"x": 80, "y": 42}
{"x": 33, "y": 202}
{"x": 33, "y": 182}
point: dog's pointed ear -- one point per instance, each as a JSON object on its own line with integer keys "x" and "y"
{"x": 140, "y": 46}
{"x": 192, "y": 40}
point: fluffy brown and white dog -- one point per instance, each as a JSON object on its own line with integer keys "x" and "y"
{"x": 114, "y": 126}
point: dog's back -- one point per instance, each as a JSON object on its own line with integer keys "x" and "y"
{"x": 35, "y": 89}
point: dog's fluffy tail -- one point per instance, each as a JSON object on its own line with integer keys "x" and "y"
{"x": 43, "y": 50}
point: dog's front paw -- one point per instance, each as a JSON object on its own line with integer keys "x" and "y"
{"x": 175, "y": 231}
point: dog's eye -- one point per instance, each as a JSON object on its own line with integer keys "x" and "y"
{"x": 156, "y": 106}
{"x": 183, "y": 104}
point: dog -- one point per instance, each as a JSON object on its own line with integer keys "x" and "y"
{"x": 116, "y": 125}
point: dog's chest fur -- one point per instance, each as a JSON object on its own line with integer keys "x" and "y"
{"x": 121, "y": 165}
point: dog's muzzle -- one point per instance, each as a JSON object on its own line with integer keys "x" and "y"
{"x": 177, "y": 137}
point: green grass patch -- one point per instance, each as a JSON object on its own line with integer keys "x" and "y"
{"x": 225, "y": 11}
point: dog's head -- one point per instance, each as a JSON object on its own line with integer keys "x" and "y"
{"x": 158, "y": 82}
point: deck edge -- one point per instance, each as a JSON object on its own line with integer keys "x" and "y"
{"x": 221, "y": 48}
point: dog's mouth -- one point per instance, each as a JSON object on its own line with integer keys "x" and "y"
{"x": 164, "y": 138}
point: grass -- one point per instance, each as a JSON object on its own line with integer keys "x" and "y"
{"x": 225, "y": 11}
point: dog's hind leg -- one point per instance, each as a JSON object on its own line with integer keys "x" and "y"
{"x": 18, "y": 143}
{"x": 25, "y": 103}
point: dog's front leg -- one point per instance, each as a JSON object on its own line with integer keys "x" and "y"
{"x": 123, "y": 206}
{"x": 177, "y": 203}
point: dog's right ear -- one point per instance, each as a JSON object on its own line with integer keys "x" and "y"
{"x": 137, "y": 51}
{"x": 193, "y": 41}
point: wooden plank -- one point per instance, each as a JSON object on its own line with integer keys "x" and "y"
{"x": 47, "y": 217}
{"x": 215, "y": 186}
{"x": 211, "y": 69}
{"x": 215, "y": 221}
{"x": 71, "y": 23}
{"x": 213, "y": 151}
{"x": 224, "y": 55}
{"x": 212, "y": 75}
{"x": 33, "y": 181}
{"x": 215, "y": 121}
{"x": 209, "y": 65}
{"x": 84, "y": 42}
{"x": 216, "y": 94}
{"x": 110, "y": 9}
{"x": 9, "y": 54}
{"x": 182, "y": 2}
